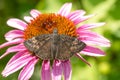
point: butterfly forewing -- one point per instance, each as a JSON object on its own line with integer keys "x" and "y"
{"x": 40, "y": 46}
{"x": 45, "y": 51}
{"x": 68, "y": 46}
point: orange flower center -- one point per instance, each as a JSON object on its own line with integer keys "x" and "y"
{"x": 45, "y": 23}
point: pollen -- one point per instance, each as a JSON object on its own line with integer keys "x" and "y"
{"x": 45, "y": 23}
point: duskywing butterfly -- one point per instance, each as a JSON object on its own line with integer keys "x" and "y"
{"x": 54, "y": 46}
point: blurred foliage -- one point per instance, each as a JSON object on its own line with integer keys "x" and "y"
{"x": 103, "y": 68}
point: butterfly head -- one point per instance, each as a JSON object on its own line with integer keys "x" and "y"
{"x": 55, "y": 31}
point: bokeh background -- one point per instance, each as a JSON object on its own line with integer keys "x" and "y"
{"x": 103, "y": 68}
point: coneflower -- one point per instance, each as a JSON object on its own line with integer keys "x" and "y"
{"x": 38, "y": 24}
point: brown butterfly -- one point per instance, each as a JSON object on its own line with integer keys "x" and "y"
{"x": 54, "y": 46}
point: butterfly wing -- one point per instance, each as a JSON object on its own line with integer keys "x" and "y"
{"x": 40, "y": 46}
{"x": 67, "y": 46}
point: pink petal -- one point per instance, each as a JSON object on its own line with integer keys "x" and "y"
{"x": 92, "y": 51}
{"x": 13, "y": 34}
{"x": 91, "y": 34}
{"x": 93, "y": 38}
{"x": 75, "y": 14}
{"x": 15, "y": 41}
{"x": 67, "y": 71}
{"x": 65, "y": 9}
{"x": 28, "y": 19}
{"x": 45, "y": 71}
{"x": 18, "y": 55}
{"x": 28, "y": 70}
{"x": 89, "y": 26}
{"x": 57, "y": 70}
{"x": 16, "y": 65}
{"x": 13, "y": 49}
{"x": 16, "y": 23}
{"x": 80, "y": 18}
{"x": 81, "y": 58}
{"x": 34, "y": 13}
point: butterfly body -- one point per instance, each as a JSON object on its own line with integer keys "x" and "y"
{"x": 54, "y": 46}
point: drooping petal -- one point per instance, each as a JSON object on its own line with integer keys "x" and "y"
{"x": 75, "y": 14}
{"x": 28, "y": 18}
{"x": 93, "y": 38}
{"x": 89, "y": 26}
{"x": 17, "y": 48}
{"x": 16, "y": 65}
{"x": 13, "y": 34}
{"x": 57, "y": 70}
{"x": 67, "y": 71}
{"x": 45, "y": 71}
{"x": 76, "y": 20}
{"x": 81, "y": 58}
{"x": 15, "y": 41}
{"x": 16, "y": 23}
{"x": 92, "y": 51}
{"x": 34, "y": 13}
{"x": 65, "y": 9}
{"x": 28, "y": 70}
{"x": 18, "y": 55}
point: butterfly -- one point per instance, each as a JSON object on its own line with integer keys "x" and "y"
{"x": 54, "y": 46}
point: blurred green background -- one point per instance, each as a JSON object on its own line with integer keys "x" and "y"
{"x": 103, "y": 68}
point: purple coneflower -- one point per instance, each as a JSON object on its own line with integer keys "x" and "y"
{"x": 37, "y": 24}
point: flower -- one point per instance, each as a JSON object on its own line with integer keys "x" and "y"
{"x": 37, "y": 24}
